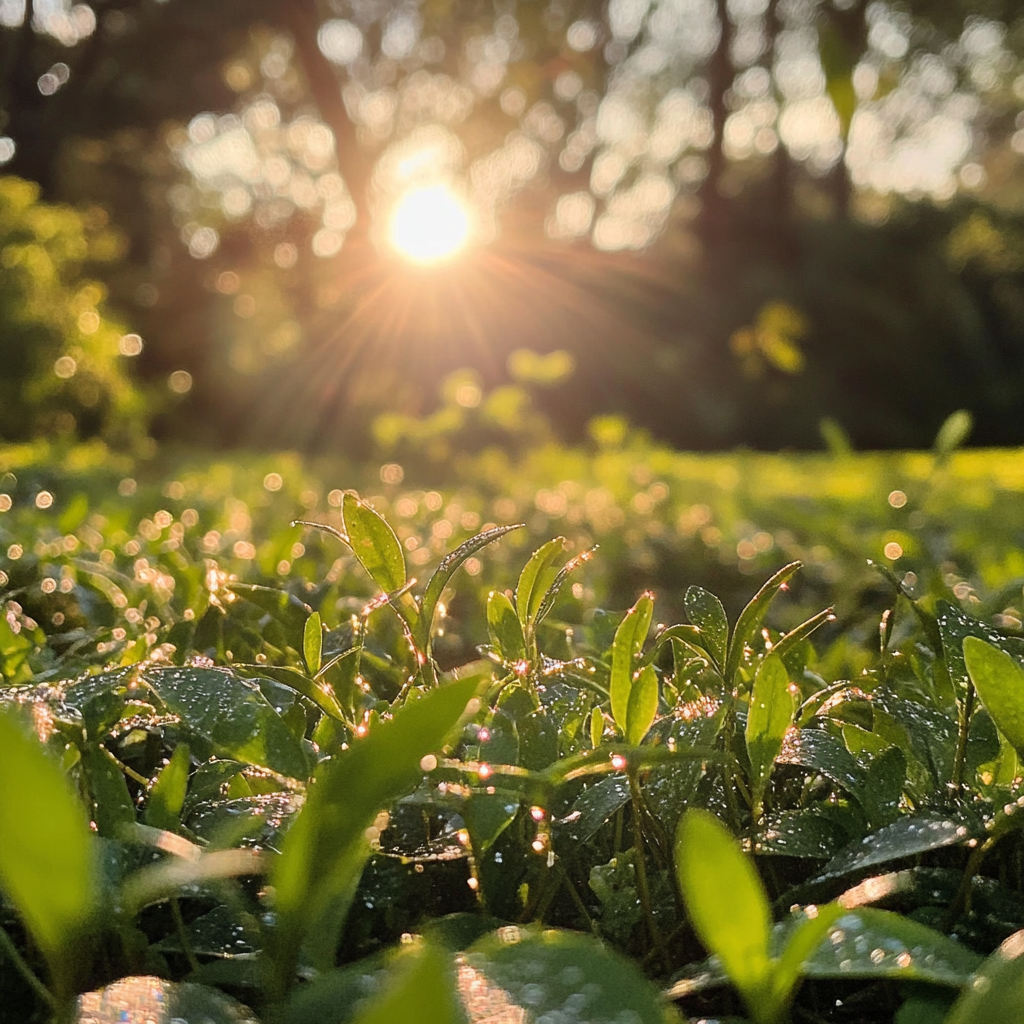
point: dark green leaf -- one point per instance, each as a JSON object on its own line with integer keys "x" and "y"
{"x": 112, "y": 804}
{"x": 905, "y": 837}
{"x": 232, "y": 714}
{"x": 708, "y": 615}
{"x": 374, "y": 544}
{"x": 487, "y": 815}
{"x": 167, "y": 794}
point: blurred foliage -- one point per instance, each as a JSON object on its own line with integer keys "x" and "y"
{"x": 63, "y": 356}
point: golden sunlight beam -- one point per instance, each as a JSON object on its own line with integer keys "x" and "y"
{"x": 429, "y": 225}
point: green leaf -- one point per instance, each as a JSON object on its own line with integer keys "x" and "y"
{"x": 596, "y": 727}
{"x": 626, "y": 648}
{"x": 47, "y": 855}
{"x": 167, "y": 794}
{"x": 319, "y": 691}
{"x": 554, "y": 588}
{"x": 870, "y": 943}
{"x": 753, "y": 615}
{"x": 708, "y": 615}
{"x": 487, "y": 815}
{"x": 313, "y": 643}
{"x": 447, "y": 568}
{"x": 643, "y": 706}
{"x": 111, "y": 803}
{"x": 769, "y": 716}
{"x": 232, "y": 714}
{"x": 726, "y": 902}
{"x": 999, "y": 681}
{"x": 906, "y": 837}
{"x": 788, "y": 969}
{"x": 420, "y": 989}
{"x": 953, "y": 432}
{"x": 324, "y": 852}
{"x": 374, "y": 544}
{"x": 538, "y": 574}
{"x": 505, "y": 628}
{"x": 593, "y": 807}
{"x": 997, "y": 991}
{"x": 532, "y": 975}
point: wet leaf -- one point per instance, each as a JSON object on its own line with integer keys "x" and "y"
{"x": 537, "y": 575}
{"x": 374, "y": 544}
{"x": 312, "y": 643}
{"x": 769, "y": 717}
{"x": 708, "y": 615}
{"x": 487, "y": 815}
{"x": 593, "y": 807}
{"x": 801, "y": 833}
{"x": 905, "y": 837}
{"x": 999, "y": 680}
{"x": 326, "y": 848}
{"x": 529, "y": 974}
{"x": 870, "y": 943}
{"x": 817, "y": 750}
{"x": 167, "y": 794}
{"x": 48, "y": 856}
{"x": 232, "y": 714}
{"x": 505, "y": 628}
{"x": 447, "y": 568}
{"x": 111, "y": 803}
{"x": 753, "y": 615}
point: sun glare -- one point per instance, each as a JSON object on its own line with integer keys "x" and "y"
{"x": 429, "y": 225}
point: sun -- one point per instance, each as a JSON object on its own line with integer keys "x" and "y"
{"x": 429, "y": 224}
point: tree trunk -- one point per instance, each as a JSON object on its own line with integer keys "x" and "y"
{"x": 714, "y": 206}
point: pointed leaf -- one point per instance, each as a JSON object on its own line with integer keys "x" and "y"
{"x": 167, "y": 794}
{"x": 313, "y": 643}
{"x": 626, "y": 647}
{"x": 505, "y": 628}
{"x": 997, "y": 992}
{"x": 871, "y": 943}
{"x": 769, "y": 717}
{"x": 534, "y": 580}
{"x": 555, "y": 587}
{"x": 708, "y": 615}
{"x": 753, "y": 615}
{"x": 374, "y": 544}
{"x": 447, "y": 568}
{"x": 326, "y": 847}
{"x": 596, "y": 727}
{"x": 643, "y": 706}
{"x": 808, "y": 936}
{"x": 47, "y": 854}
{"x": 726, "y": 901}
{"x": 999, "y": 680}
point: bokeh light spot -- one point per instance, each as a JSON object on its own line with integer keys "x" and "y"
{"x": 429, "y": 225}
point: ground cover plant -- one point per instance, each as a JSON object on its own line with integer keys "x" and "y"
{"x": 797, "y": 802}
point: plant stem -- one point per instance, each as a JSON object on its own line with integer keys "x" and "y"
{"x": 21, "y": 966}
{"x": 130, "y": 772}
{"x": 960, "y": 761}
{"x": 186, "y": 945}
{"x": 641, "y": 871}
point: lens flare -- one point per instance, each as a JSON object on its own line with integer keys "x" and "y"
{"x": 429, "y": 225}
